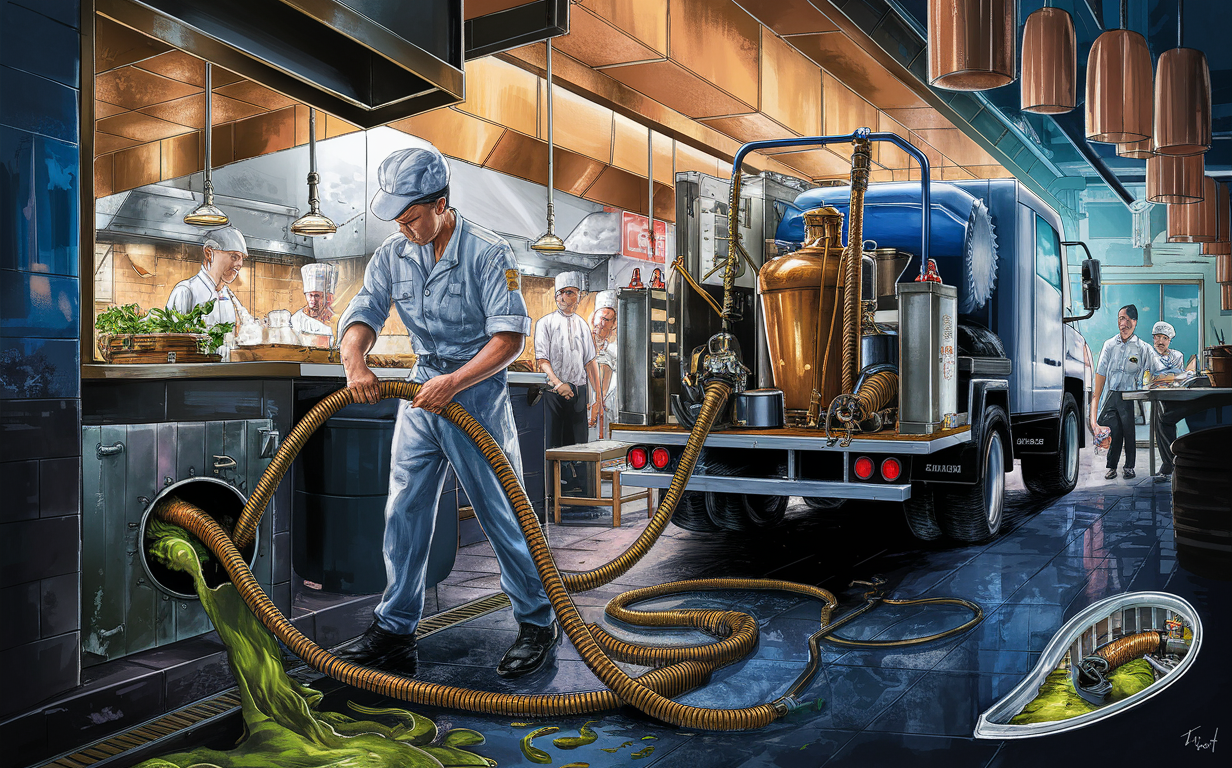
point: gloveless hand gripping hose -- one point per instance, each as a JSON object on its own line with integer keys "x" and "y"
{"x": 686, "y": 667}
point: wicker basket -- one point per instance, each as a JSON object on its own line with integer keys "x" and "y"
{"x": 154, "y": 348}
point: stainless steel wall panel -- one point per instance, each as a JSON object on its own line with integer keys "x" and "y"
{"x": 93, "y": 533}
{"x": 109, "y": 618}
{"x": 141, "y": 454}
{"x": 190, "y": 451}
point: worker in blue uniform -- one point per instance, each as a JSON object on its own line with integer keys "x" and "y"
{"x": 457, "y": 289}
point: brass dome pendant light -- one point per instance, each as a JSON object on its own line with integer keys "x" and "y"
{"x": 1175, "y": 180}
{"x": 314, "y": 222}
{"x": 549, "y": 241}
{"x": 1223, "y": 238}
{"x": 1182, "y": 98}
{"x": 1119, "y": 91}
{"x": 206, "y": 215}
{"x": 972, "y": 44}
{"x": 1196, "y": 223}
{"x": 1049, "y": 62}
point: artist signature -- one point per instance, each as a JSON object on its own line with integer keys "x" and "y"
{"x": 1197, "y": 742}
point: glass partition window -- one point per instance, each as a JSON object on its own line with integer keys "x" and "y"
{"x": 1047, "y": 253}
{"x": 1178, "y": 303}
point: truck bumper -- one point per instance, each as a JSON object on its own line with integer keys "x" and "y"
{"x": 759, "y": 486}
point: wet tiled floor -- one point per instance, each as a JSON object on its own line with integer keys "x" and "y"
{"x": 914, "y": 705}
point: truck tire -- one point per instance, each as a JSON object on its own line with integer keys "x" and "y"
{"x": 921, "y": 512}
{"x": 1056, "y": 474}
{"x": 745, "y": 512}
{"x": 821, "y": 504}
{"x": 691, "y": 515}
{"x": 973, "y": 512}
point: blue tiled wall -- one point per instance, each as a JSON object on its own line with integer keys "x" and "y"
{"x": 40, "y": 380}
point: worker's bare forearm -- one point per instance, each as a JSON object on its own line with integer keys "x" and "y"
{"x": 355, "y": 344}
{"x": 546, "y": 367}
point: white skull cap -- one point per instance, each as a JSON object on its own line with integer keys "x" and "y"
{"x": 605, "y": 299}
{"x": 319, "y": 277}
{"x": 409, "y": 176}
{"x": 1164, "y": 328}
{"x": 226, "y": 239}
{"x": 570, "y": 280}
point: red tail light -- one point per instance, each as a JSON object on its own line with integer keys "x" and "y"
{"x": 864, "y": 467}
{"x": 660, "y": 457}
{"x": 637, "y": 458}
{"x": 891, "y": 469}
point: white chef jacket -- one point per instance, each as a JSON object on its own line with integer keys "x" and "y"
{"x": 565, "y": 342}
{"x": 198, "y": 290}
{"x": 302, "y": 323}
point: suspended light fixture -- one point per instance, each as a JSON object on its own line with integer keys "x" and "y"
{"x": 1138, "y": 150}
{"x": 1049, "y": 62}
{"x": 206, "y": 215}
{"x": 313, "y": 222}
{"x": 1175, "y": 180}
{"x": 549, "y": 241}
{"x": 1223, "y": 242}
{"x": 1182, "y": 98}
{"x": 1196, "y": 223}
{"x": 972, "y": 44}
{"x": 1119, "y": 95}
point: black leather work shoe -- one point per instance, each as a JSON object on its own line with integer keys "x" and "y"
{"x": 379, "y": 649}
{"x": 1110, "y": 474}
{"x": 529, "y": 652}
{"x": 1128, "y": 473}
{"x": 1163, "y": 476}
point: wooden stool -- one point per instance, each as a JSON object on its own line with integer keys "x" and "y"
{"x": 608, "y": 458}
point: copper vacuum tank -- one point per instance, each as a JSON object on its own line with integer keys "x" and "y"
{"x": 803, "y": 323}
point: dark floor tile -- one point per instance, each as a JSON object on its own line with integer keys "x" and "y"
{"x": 179, "y": 653}
{"x": 1034, "y": 623}
{"x": 1058, "y": 582}
{"x": 944, "y": 703}
{"x": 340, "y": 622}
{"x": 885, "y": 749}
{"x": 856, "y": 695}
{"x": 467, "y": 645}
{"x": 111, "y": 705}
{"x": 790, "y": 745}
{"x": 557, "y": 676}
{"x": 197, "y": 679}
{"x": 989, "y": 579}
{"x": 25, "y": 740}
{"x": 59, "y": 602}
{"x": 20, "y": 481}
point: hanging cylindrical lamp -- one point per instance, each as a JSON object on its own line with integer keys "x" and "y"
{"x": 549, "y": 241}
{"x": 1120, "y": 100}
{"x": 972, "y": 43}
{"x": 313, "y": 222}
{"x": 1223, "y": 242}
{"x": 1049, "y": 62}
{"x": 1138, "y": 150}
{"x": 1175, "y": 180}
{"x": 1196, "y": 223}
{"x": 206, "y": 215}
{"x": 1182, "y": 99}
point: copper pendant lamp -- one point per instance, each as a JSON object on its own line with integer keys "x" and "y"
{"x": 1195, "y": 223}
{"x": 1182, "y": 98}
{"x": 1223, "y": 243}
{"x": 1119, "y": 93}
{"x": 1049, "y": 62}
{"x": 1175, "y": 180}
{"x": 972, "y": 44}
{"x": 1137, "y": 150}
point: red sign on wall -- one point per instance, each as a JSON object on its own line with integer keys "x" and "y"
{"x": 635, "y": 239}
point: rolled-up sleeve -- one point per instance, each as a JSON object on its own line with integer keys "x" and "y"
{"x": 371, "y": 305}
{"x": 543, "y": 338}
{"x": 504, "y": 308}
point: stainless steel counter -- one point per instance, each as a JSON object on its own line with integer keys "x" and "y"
{"x": 261, "y": 370}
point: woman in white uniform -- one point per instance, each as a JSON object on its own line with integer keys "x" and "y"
{"x": 223, "y": 256}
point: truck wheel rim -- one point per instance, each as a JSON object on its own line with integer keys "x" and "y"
{"x": 994, "y": 481}
{"x": 1069, "y": 439}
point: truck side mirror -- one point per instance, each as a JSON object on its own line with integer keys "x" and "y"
{"x": 1090, "y": 285}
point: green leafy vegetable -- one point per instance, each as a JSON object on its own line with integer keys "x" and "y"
{"x": 129, "y": 319}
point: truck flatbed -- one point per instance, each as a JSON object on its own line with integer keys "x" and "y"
{"x": 796, "y": 439}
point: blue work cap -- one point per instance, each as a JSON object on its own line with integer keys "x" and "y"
{"x": 408, "y": 177}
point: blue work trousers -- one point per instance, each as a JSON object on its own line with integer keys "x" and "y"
{"x": 423, "y": 443}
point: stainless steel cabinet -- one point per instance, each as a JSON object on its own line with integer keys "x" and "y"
{"x": 123, "y": 469}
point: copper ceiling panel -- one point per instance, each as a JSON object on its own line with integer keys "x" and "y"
{"x": 502, "y": 93}
{"x": 190, "y": 110}
{"x": 880, "y": 175}
{"x": 890, "y": 156}
{"x": 520, "y": 155}
{"x": 574, "y": 174}
{"x": 177, "y": 65}
{"x": 790, "y": 86}
{"x": 262, "y": 134}
{"x": 720, "y": 43}
{"x": 335, "y": 126}
{"x": 664, "y": 158}
{"x": 581, "y": 125}
{"x": 182, "y": 155}
{"x": 253, "y": 93}
{"x": 956, "y": 173}
{"x": 789, "y": 17}
{"x": 922, "y": 118}
{"x": 989, "y": 172}
{"x": 134, "y": 88}
{"x": 671, "y": 84}
{"x": 115, "y": 45}
{"x": 619, "y": 188}
{"x": 106, "y": 142}
{"x": 102, "y": 176}
{"x": 103, "y": 109}
{"x": 817, "y": 164}
{"x": 222, "y": 146}
{"x": 844, "y": 111}
{"x": 839, "y": 55}
{"x": 134, "y": 125}
{"x": 752, "y": 127}
{"x": 475, "y": 8}
{"x": 596, "y": 42}
{"x": 301, "y": 123}
{"x": 935, "y": 157}
{"x": 690, "y": 159}
{"x": 629, "y": 146}
{"x": 454, "y": 133}
{"x": 957, "y": 146}
{"x": 644, "y": 20}
{"x": 136, "y": 167}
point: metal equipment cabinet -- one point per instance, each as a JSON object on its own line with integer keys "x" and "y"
{"x": 123, "y": 468}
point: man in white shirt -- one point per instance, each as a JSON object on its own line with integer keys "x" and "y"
{"x": 1122, "y": 362}
{"x": 319, "y": 283}
{"x": 1169, "y": 361}
{"x": 224, "y": 251}
{"x": 603, "y": 328}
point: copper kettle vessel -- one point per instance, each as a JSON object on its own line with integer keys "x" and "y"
{"x": 799, "y": 297}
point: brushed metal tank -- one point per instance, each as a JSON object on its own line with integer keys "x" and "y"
{"x": 798, "y": 299}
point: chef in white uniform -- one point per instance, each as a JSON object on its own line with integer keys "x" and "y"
{"x": 224, "y": 251}
{"x": 319, "y": 283}
{"x": 603, "y": 328}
